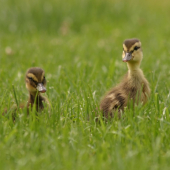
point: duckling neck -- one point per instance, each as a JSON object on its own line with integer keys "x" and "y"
{"x": 134, "y": 70}
{"x": 133, "y": 66}
{"x": 36, "y": 99}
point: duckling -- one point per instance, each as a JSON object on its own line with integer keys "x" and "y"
{"x": 134, "y": 87}
{"x": 35, "y": 83}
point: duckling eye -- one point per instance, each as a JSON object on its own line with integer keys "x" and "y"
{"x": 136, "y": 48}
{"x": 30, "y": 78}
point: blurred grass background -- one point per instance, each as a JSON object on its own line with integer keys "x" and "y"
{"x": 79, "y": 45}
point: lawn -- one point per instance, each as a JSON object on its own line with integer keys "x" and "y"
{"x": 79, "y": 45}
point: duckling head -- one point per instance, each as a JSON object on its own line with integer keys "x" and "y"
{"x": 35, "y": 80}
{"x": 132, "y": 52}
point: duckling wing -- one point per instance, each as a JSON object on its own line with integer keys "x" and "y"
{"x": 115, "y": 100}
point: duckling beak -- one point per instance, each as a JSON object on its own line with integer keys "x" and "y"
{"x": 128, "y": 57}
{"x": 41, "y": 88}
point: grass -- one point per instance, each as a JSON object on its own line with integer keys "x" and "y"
{"x": 79, "y": 45}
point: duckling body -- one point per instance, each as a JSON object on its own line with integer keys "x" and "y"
{"x": 134, "y": 87}
{"x": 35, "y": 83}
{"x": 38, "y": 101}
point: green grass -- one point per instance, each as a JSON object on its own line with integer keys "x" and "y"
{"x": 79, "y": 45}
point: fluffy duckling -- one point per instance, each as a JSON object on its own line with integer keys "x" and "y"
{"x": 35, "y": 83}
{"x": 133, "y": 87}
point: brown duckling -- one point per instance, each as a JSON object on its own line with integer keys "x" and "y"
{"x": 134, "y": 87}
{"x": 35, "y": 83}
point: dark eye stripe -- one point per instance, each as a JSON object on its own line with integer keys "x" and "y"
{"x": 31, "y": 79}
{"x": 136, "y": 48}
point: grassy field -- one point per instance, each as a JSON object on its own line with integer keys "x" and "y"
{"x": 79, "y": 45}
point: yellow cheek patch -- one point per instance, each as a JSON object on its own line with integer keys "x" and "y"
{"x": 138, "y": 44}
{"x": 33, "y": 76}
{"x": 123, "y": 54}
{"x": 42, "y": 76}
{"x": 124, "y": 47}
